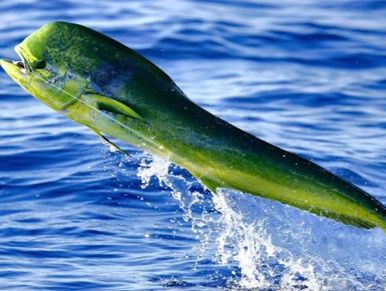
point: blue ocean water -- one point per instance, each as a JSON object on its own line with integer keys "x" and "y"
{"x": 309, "y": 76}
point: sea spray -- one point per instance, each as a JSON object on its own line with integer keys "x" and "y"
{"x": 273, "y": 246}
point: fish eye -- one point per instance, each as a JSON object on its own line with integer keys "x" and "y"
{"x": 41, "y": 64}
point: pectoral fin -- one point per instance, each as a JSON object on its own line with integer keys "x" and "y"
{"x": 98, "y": 133}
{"x": 113, "y": 106}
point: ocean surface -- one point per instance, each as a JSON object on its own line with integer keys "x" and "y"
{"x": 308, "y": 76}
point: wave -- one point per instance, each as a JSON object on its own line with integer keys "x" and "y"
{"x": 272, "y": 246}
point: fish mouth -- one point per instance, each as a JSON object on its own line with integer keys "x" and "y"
{"x": 19, "y": 64}
{"x": 22, "y": 64}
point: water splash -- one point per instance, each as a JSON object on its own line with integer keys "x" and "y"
{"x": 153, "y": 167}
{"x": 273, "y": 246}
{"x": 262, "y": 263}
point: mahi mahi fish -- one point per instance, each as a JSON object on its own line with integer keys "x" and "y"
{"x": 106, "y": 86}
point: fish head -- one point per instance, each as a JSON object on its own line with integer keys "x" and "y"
{"x": 45, "y": 68}
{"x": 61, "y": 61}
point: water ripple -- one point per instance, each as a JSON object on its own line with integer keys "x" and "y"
{"x": 307, "y": 76}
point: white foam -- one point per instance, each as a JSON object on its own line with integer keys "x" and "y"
{"x": 156, "y": 167}
{"x": 274, "y": 246}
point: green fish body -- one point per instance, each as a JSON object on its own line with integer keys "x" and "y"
{"x": 100, "y": 83}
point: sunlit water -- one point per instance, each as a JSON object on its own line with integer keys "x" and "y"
{"x": 307, "y": 76}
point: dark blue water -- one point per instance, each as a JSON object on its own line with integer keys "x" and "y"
{"x": 309, "y": 76}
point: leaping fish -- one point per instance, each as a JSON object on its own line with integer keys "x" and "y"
{"x": 106, "y": 86}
